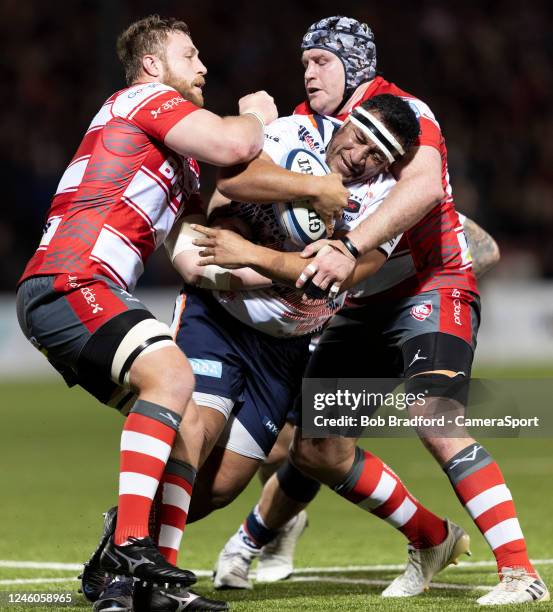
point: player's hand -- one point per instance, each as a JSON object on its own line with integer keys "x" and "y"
{"x": 333, "y": 263}
{"x": 259, "y": 102}
{"x": 222, "y": 247}
{"x": 234, "y": 224}
{"x": 331, "y": 198}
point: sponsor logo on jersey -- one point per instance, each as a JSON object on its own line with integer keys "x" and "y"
{"x": 168, "y": 105}
{"x": 305, "y": 136}
{"x": 420, "y": 312}
{"x": 271, "y": 137}
{"x": 353, "y": 206}
{"x": 206, "y": 367}
{"x": 136, "y": 92}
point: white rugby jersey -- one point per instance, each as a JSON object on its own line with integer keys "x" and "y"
{"x": 279, "y": 310}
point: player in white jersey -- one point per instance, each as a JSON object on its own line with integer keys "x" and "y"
{"x": 237, "y": 365}
{"x": 220, "y": 359}
{"x": 239, "y": 370}
{"x": 279, "y": 310}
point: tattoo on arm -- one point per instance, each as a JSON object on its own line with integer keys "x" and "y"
{"x": 484, "y": 249}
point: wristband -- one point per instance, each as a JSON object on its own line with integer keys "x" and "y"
{"x": 350, "y": 246}
{"x": 257, "y": 116}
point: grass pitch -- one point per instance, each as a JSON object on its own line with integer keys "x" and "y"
{"x": 59, "y": 452}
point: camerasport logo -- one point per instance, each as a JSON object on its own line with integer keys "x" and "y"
{"x": 420, "y": 312}
{"x": 90, "y": 299}
{"x": 169, "y": 105}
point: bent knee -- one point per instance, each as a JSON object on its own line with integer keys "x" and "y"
{"x": 222, "y": 496}
{"x": 305, "y": 457}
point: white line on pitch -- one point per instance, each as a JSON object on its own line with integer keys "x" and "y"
{"x": 300, "y": 570}
{"x": 396, "y": 567}
{"x": 435, "y": 585}
{"x": 335, "y": 580}
{"x": 34, "y": 581}
{"x": 41, "y": 565}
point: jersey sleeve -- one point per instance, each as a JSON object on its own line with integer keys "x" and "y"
{"x": 280, "y": 138}
{"x": 157, "y": 114}
{"x": 379, "y": 192}
{"x": 430, "y": 133}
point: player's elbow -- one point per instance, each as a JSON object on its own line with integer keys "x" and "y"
{"x": 236, "y": 151}
{"x": 228, "y": 182}
{"x": 435, "y": 193}
{"x": 186, "y": 265}
{"x": 191, "y": 278}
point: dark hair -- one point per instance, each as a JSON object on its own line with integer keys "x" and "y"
{"x": 142, "y": 37}
{"x": 397, "y": 115}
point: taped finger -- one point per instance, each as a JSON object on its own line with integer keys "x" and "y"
{"x": 307, "y": 273}
{"x": 334, "y": 290}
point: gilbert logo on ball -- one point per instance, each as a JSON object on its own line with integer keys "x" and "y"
{"x": 421, "y": 311}
{"x": 300, "y": 222}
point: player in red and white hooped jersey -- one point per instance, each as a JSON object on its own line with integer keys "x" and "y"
{"x": 436, "y": 240}
{"x": 122, "y": 191}
{"x": 132, "y": 176}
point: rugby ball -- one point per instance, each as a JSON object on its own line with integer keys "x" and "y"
{"x": 300, "y": 222}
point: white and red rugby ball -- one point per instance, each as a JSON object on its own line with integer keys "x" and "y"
{"x": 300, "y": 222}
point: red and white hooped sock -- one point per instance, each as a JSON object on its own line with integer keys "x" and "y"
{"x": 171, "y": 507}
{"x": 146, "y": 442}
{"x": 373, "y": 486}
{"x": 480, "y": 487}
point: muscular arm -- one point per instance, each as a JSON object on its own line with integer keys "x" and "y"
{"x": 483, "y": 248}
{"x": 221, "y": 141}
{"x": 186, "y": 260}
{"x": 228, "y": 249}
{"x": 418, "y": 190}
{"x": 286, "y": 267}
{"x": 261, "y": 181}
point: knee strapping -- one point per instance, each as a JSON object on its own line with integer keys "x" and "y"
{"x": 297, "y": 485}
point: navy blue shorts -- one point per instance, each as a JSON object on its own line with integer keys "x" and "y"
{"x": 249, "y": 376}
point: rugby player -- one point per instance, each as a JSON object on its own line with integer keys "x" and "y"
{"x": 133, "y": 174}
{"x": 421, "y": 326}
{"x": 248, "y": 348}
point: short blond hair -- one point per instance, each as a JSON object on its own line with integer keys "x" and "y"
{"x": 142, "y": 37}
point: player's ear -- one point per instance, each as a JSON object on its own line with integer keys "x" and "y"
{"x": 152, "y": 66}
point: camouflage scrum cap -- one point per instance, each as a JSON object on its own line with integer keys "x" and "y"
{"x": 349, "y": 39}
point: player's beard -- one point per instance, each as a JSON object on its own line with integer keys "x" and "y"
{"x": 188, "y": 90}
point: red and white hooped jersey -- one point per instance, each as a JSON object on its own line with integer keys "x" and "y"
{"x": 435, "y": 248}
{"x": 122, "y": 192}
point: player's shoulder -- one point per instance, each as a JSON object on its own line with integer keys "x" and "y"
{"x": 311, "y": 131}
{"x": 419, "y": 107}
{"x": 130, "y": 99}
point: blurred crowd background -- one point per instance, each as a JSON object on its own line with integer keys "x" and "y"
{"x": 485, "y": 68}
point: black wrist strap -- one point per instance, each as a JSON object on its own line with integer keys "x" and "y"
{"x": 350, "y": 246}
